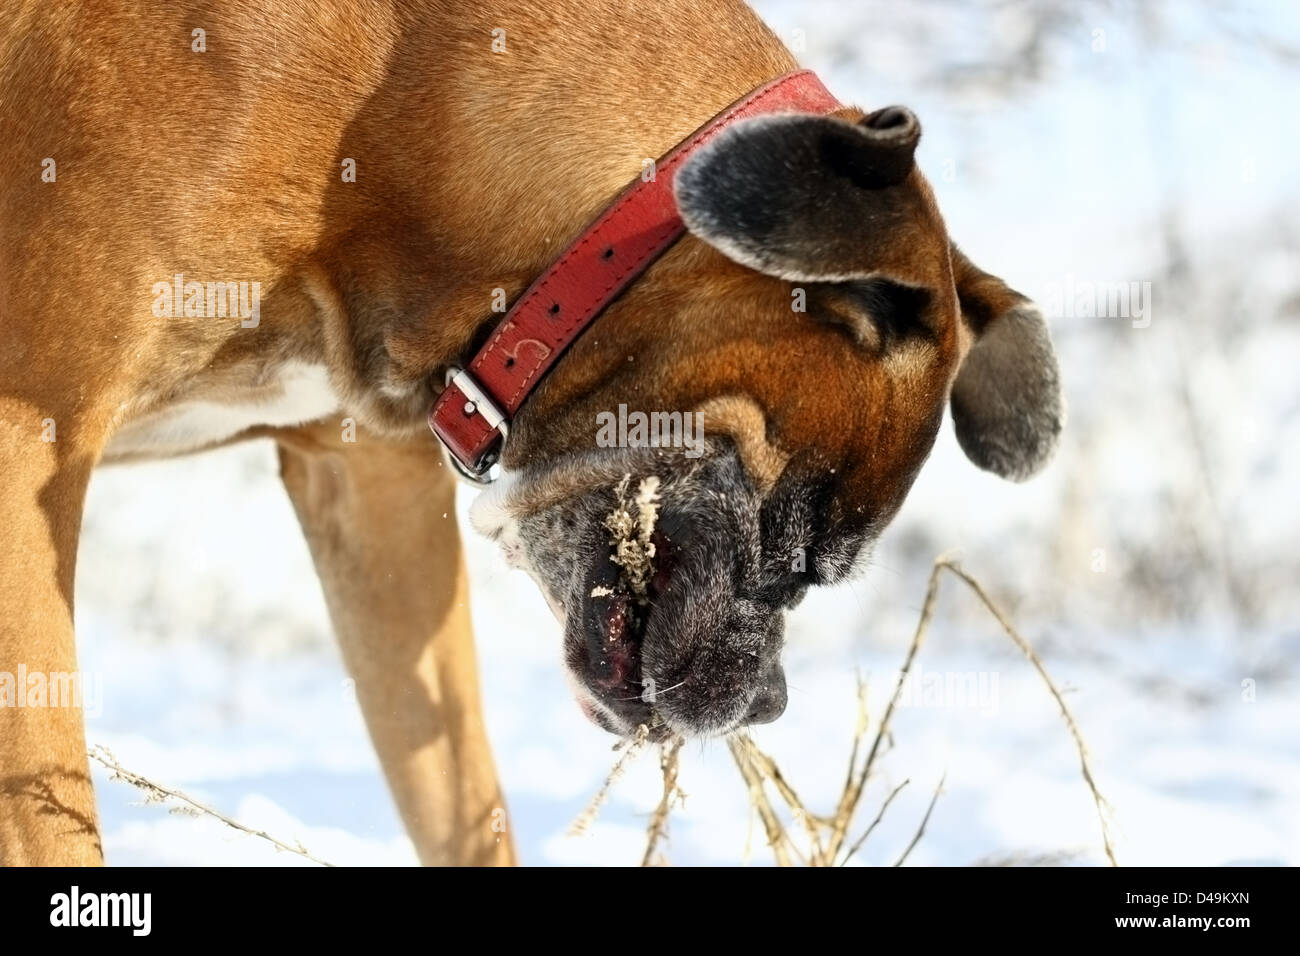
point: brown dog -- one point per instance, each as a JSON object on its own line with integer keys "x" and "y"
{"x": 357, "y": 178}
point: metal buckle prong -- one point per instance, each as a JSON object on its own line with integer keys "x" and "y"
{"x": 477, "y": 402}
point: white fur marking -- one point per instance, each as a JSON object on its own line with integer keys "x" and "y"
{"x": 490, "y": 516}
{"x": 305, "y": 395}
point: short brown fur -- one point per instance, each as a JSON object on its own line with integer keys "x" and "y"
{"x": 473, "y": 169}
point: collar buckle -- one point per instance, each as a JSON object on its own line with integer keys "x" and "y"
{"x": 477, "y": 402}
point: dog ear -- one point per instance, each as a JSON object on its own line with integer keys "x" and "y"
{"x": 1006, "y": 402}
{"x": 804, "y": 198}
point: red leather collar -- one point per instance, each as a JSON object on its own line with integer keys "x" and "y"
{"x": 472, "y": 415}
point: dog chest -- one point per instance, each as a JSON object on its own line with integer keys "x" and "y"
{"x": 298, "y": 393}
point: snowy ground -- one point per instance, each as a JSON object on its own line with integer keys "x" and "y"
{"x": 198, "y": 606}
{"x": 199, "y": 609}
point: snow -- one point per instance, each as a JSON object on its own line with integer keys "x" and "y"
{"x": 241, "y": 702}
{"x": 198, "y": 606}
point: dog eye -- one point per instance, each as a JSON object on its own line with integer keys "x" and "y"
{"x": 877, "y": 311}
{"x": 785, "y": 586}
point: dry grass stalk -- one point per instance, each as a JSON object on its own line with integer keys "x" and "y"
{"x": 827, "y": 835}
{"x": 157, "y": 793}
{"x": 657, "y": 830}
{"x": 876, "y": 822}
{"x": 776, "y": 835}
{"x": 824, "y": 847}
{"x": 827, "y": 847}
{"x": 757, "y": 768}
{"x": 767, "y": 767}
{"x": 583, "y": 823}
{"x": 920, "y": 831}
{"x": 1098, "y": 800}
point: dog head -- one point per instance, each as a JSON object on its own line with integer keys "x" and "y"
{"x": 743, "y": 422}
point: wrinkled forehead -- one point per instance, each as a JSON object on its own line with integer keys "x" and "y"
{"x": 839, "y": 406}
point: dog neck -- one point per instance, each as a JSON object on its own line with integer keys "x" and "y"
{"x": 468, "y": 185}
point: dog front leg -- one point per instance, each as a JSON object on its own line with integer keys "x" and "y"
{"x": 380, "y": 521}
{"x": 47, "y": 804}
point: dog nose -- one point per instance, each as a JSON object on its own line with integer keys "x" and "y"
{"x": 770, "y": 702}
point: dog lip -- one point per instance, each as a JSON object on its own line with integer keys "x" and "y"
{"x": 614, "y": 625}
{"x": 613, "y": 642}
{"x": 606, "y": 625}
{"x": 665, "y": 561}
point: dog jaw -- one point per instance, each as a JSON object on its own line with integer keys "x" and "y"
{"x": 694, "y": 648}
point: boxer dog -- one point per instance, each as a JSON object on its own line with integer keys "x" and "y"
{"x": 360, "y": 181}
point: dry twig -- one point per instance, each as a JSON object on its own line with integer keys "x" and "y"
{"x": 634, "y": 746}
{"x": 157, "y": 793}
{"x": 753, "y": 763}
{"x": 827, "y": 835}
{"x": 658, "y": 828}
{"x": 874, "y": 823}
{"x": 776, "y": 835}
{"x": 1099, "y": 801}
{"x": 920, "y": 831}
